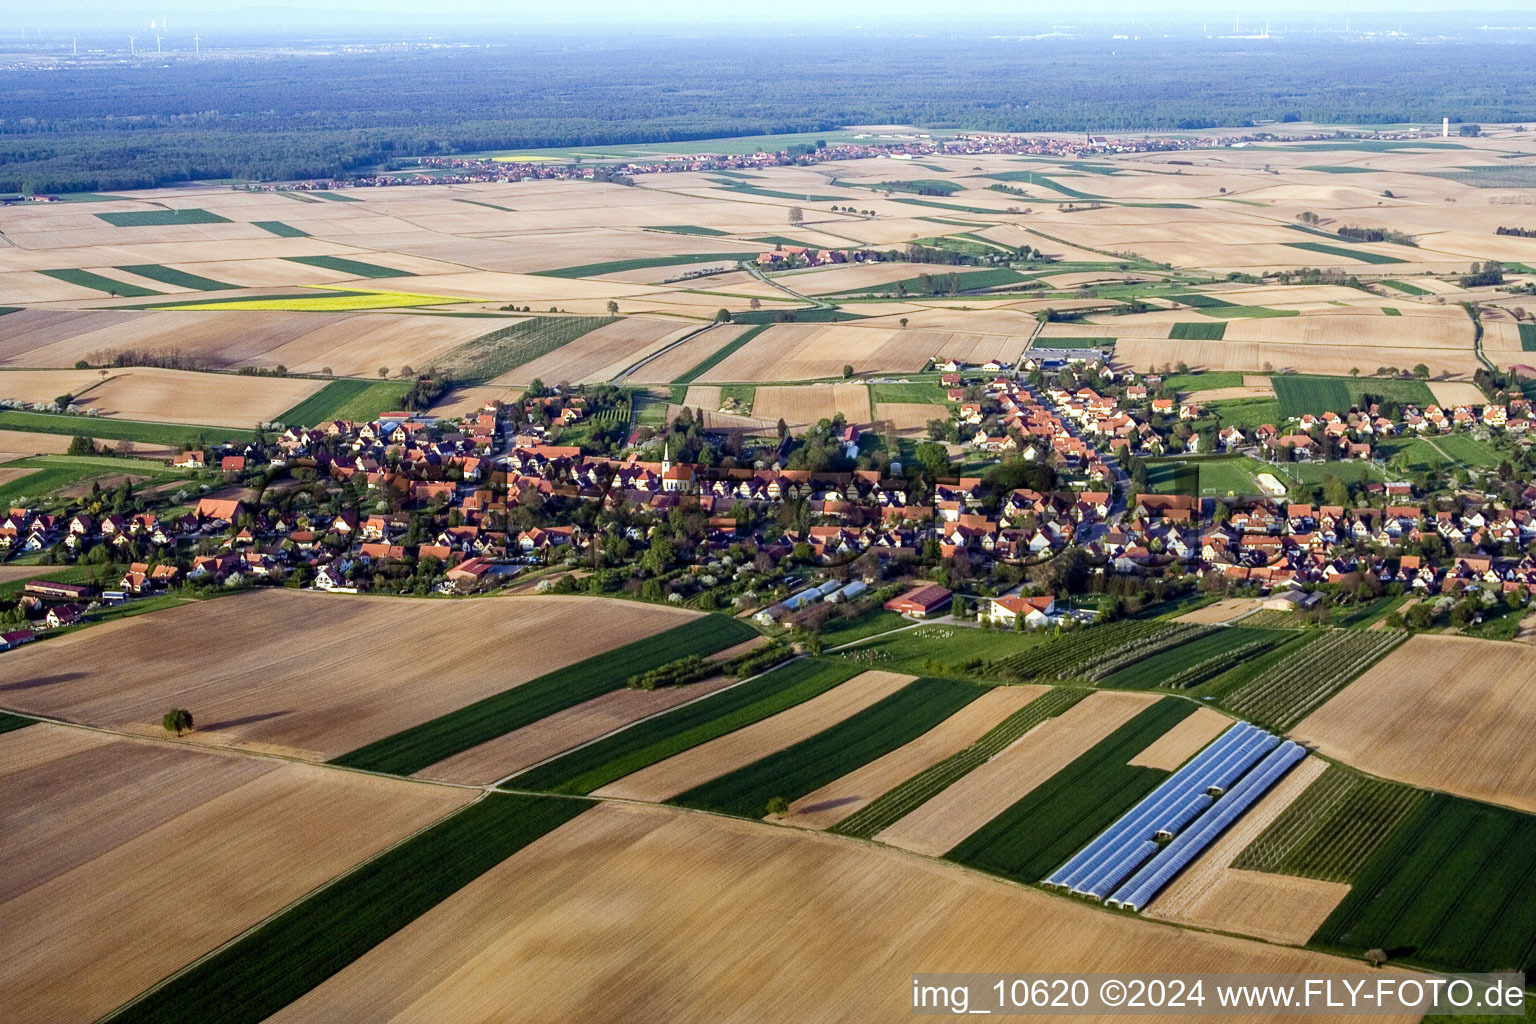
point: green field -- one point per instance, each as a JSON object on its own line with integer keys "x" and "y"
{"x": 161, "y": 218}
{"x": 419, "y": 746}
{"x": 1299, "y": 394}
{"x": 768, "y": 193}
{"x": 55, "y": 472}
{"x": 806, "y": 766}
{"x": 348, "y": 399}
{"x": 917, "y": 392}
{"x": 1058, "y": 817}
{"x": 1036, "y": 178}
{"x": 106, "y": 285}
{"x": 1292, "y": 689}
{"x": 102, "y": 427}
{"x": 687, "y": 229}
{"x": 1202, "y": 381}
{"x": 1092, "y": 654}
{"x": 966, "y": 280}
{"x": 1192, "y": 663}
{"x": 335, "y": 197}
{"x": 1205, "y": 475}
{"x": 1339, "y": 250}
{"x": 1332, "y": 829}
{"x": 1198, "y": 331}
{"x": 356, "y": 268}
{"x": 295, "y": 951}
{"x": 720, "y": 354}
{"x": 1246, "y": 312}
{"x": 1528, "y": 337}
{"x": 810, "y": 315}
{"x": 939, "y": 650}
{"x": 505, "y": 349}
{"x": 895, "y": 804}
{"x": 1339, "y": 169}
{"x": 1245, "y": 413}
{"x": 10, "y": 723}
{"x": 1201, "y": 301}
{"x": 1453, "y": 887}
{"x": 280, "y": 229}
{"x": 918, "y": 186}
{"x": 643, "y": 263}
{"x": 655, "y": 739}
{"x": 839, "y": 630}
{"x": 177, "y": 278}
{"x": 1491, "y": 176}
{"x": 1391, "y": 311}
{"x": 956, "y": 207}
{"x": 1405, "y": 287}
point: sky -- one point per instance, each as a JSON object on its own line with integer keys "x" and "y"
{"x": 451, "y": 17}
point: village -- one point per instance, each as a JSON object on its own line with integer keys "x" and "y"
{"x": 414, "y": 506}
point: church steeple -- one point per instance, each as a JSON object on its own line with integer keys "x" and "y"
{"x": 666, "y": 457}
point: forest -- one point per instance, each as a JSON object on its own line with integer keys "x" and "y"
{"x": 280, "y": 116}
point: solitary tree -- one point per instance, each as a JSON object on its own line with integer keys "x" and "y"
{"x": 722, "y": 316}
{"x": 903, "y": 321}
{"x": 1421, "y": 371}
{"x": 796, "y": 216}
{"x": 847, "y": 370}
{"x": 383, "y": 372}
{"x": 177, "y": 720}
{"x": 755, "y": 304}
{"x": 783, "y": 428}
{"x": 613, "y": 308}
{"x": 778, "y": 805}
{"x": 1375, "y": 957}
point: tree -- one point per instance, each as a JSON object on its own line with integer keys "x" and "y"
{"x": 903, "y": 321}
{"x": 177, "y": 720}
{"x": 847, "y": 371}
{"x": 63, "y": 402}
{"x": 755, "y": 304}
{"x": 722, "y": 316}
{"x": 81, "y": 445}
{"x": 383, "y": 372}
{"x": 778, "y": 805}
{"x": 613, "y": 308}
{"x": 1421, "y": 371}
{"x": 1376, "y": 957}
{"x": 796, "y": 216}
{"x": 783, "y": 429}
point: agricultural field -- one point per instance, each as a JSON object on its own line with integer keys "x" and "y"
{"x": 1287, "y": 692}
{"x": 1058, "y": 817}
{"x": 595, "y": 765}
{"x": 31, "y": 479}
{"x": 1195, "y": 660}
{"x": 1096, "y": 654}
{"x": 1317, "y": 395}
{"x": 846, "y": 746}
{"x": 1443, "y": 712}
{"x": 351, "y": 399}
{"x": 167, "y": 396}
{"x": 501, "y": 936}
{"x": 157, "y": 826}
{"x": 810, "y": 403}
{"x": 692, "y": 768}
{"x": 968, "y": 804}
{"x": 248, "y": 693}
{"x": 1453, "y": 887}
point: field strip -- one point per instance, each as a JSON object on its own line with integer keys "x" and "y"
{"x": 738, "y": 749}
{"x": 1183, "y": 741}
{"x": 835, "y": 801}
{"x": 606, "y": 888}
{"x": 1211, "y": 893}
{"x": 813, "y": 762}
{"x": 410, "y": 751}
{"x": 1442, "y": 712}
{"x": 938, "y": 825}
{"x": 586, "y": 767}
{"x": 117, "y": 829}
{"x": 294, "y": 951}
{"x": 549, "y": 737}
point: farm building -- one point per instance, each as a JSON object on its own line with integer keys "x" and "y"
{"x": 1035, "y": 611}
{"x": 921, "y": 601}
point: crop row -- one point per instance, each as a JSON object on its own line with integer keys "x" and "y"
{"x": 1060, "y": 657}
{"x": 421, "y": 745}
{"x": 595, "y": 765}
{"x": 806, "y": 766}
{"x": 889, "y": 808}
{"x": 1297, "y": 686}
{"x": 491, "y": 355}
{"x": 1454, "y": 887}
{"x": 1058, "y": 817}
{"x": 1332, "y": 829}
{"x": 292, "y": 953}
{"x": 1139, "y": 649}
{"x": 1209, "y": 668}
